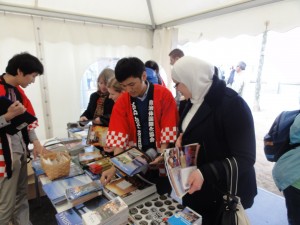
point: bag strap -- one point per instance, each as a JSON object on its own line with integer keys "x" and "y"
{"x": 231, "y": 169}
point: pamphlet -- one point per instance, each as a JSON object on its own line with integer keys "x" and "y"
{"x": 97, "y": 135}
{"x": 180, "y": 163}
{"x": 185, "y": 217}
{"x": 131, "y": 161}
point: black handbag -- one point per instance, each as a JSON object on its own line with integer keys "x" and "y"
{"x": 231, "y": 211}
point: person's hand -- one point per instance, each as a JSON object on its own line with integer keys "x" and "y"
{"x": 108, "y": 149}
{"x": 38, "y": 149}
{"x": 179, "y": 141}
{"x": 107, "y": 175}
{"x": 195, "y": 181}
{"x": 157, "y": 160}
{"x": 97, "y": 121}
{"x": 83, "y": 118}
{"x": 15, "y": 109}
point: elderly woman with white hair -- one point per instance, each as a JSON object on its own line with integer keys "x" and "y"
{"x": 219, "y": 120}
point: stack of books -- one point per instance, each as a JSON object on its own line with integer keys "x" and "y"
{"x": 130, "y": 189}
{"x": 87, "y": 157}
{"x": 80, "y": 194}
{"x": 113, "y": 212}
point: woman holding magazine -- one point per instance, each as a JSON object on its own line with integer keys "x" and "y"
{"x": 219, "y": 120}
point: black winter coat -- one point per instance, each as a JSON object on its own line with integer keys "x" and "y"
{"x": 224, "y": 127}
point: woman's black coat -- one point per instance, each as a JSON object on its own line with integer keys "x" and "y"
{"x": 224, "y": 127}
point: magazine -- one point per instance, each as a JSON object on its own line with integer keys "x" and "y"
{"x": 87, "y": 157}
{"x": 131, "y": 161}
{"x": 130, "y": 189}
{"x": 97, "y": 135}
{"x": 180, "y": 163}
{"x": 185, "y": 217}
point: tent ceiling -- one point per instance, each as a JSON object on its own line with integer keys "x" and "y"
{"x": 148, "y": 14}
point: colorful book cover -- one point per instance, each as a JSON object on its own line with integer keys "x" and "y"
{"x": 56, "y": 190}
{"x": 180, "y": 163}
{"x": 110, "y": 211}
{"x": 79, "y": 191}
{"x": 97, "y": 135}
{"x": 131, "y": 161}
{"x": 73, "y": 216}
{"x": 185, "y": 217}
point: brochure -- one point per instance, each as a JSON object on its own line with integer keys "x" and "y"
{"x": 180, "y": 163}
{"x": 185, "y": 217}
{"x": 97, "y": 135}
{"x": 17, "y": 123}
{"x": 131, "y": 161}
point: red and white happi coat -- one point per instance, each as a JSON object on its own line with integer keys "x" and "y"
{"x": 28, "y": 106}
{"x": 122, "y": 130}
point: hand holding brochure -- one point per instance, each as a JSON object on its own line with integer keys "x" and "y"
{"x": 180, "y": 163}
{"x": 18, "y": 122}
{"x": 132, "y": 161}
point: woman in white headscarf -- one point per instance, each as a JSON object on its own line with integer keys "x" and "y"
{"x": 219, "y": 120}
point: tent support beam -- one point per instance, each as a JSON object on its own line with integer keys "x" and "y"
{"x": 151, "y": 14}
{"x": 218, "y": 12}
{"x": 68, "y": 16}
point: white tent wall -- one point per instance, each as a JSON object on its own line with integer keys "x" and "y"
{"x": 66, "y": 49}
{"x": 282, "y": 16}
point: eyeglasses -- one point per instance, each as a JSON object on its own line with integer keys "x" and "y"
{"x": 176, "y": 84}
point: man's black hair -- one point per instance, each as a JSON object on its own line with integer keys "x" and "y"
{"x": 26, "y": 63}
{"x": 176, "y": 53}
{"x": 129, "y": 67}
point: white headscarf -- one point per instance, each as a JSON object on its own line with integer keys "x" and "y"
{"x": 195, "y": 74}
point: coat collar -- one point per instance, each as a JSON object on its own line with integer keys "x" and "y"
{"x": 212, "y": 99}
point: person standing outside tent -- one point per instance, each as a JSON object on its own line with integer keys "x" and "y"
{"x": 100, "y": 106}
{"x": 218, "y": 119}
{"x": 237, "y": 78}
{"x": 144, "y": 116}
{"x": 287, "y": 176}
{"x": 21, "y": 71}
{"x": 174, "y": 55}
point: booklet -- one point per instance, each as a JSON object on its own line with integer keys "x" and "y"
{"x": 97, "y": 135}
{"x": 185, "y": 217}
{"x": 17, "y": 123}
{"x": 180, "y": 163}
{"x": 131, "y": 161}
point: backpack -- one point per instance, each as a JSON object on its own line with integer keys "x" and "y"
{"x": 277, "y": 140}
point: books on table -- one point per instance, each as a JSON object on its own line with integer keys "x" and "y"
{"x": 130, "y": 189}
{"x": 185, "y": 217}
{"x": 80, "y": 194}
{"x": 113, "y": 212}
{"x": 56, "y": 190}
{"x": 87, "y": 157}
{"x": 73, "y": 216}
{"x": 131, "y": 161}
{"x": 180, "y": 163}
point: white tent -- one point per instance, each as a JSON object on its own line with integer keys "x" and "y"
{"x": 69, "y": 35}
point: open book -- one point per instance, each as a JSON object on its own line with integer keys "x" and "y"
{"x": 131, "y": 161}
{"x": 180, "y": 163}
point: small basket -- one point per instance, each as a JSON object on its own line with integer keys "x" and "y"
{"x": 56, "y": 170}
